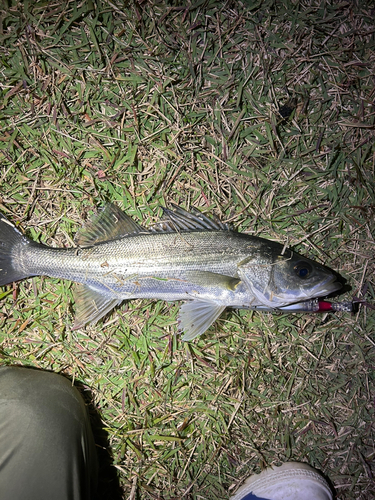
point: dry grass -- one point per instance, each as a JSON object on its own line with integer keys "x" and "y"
{"x": 147, "y": 103}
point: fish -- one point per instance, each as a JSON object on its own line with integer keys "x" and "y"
{"x": 186, "y": 256}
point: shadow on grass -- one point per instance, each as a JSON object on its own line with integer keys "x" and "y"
{"x": 108, "y": 481}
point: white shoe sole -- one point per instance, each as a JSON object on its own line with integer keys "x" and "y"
{"x": 290, "y": 481}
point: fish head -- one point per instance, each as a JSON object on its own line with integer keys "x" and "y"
{"x": 283, "y": 278}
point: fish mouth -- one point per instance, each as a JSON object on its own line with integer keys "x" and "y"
{"x": 330, "y": 286}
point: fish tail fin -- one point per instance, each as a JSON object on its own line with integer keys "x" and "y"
{"x": 11, "y": 241}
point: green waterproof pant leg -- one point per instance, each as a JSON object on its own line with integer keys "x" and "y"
{"x": 47, "y": 450}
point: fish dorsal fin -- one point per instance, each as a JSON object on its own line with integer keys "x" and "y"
{"x": 91, "y": 305}
{"x": 179, "y": 219}
{"x": 196, "y": 316}
{"x": 109, "y": 224}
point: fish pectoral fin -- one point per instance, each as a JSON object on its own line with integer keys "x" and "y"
{"x": 196, "y": 316}
{"x": 207, "y": 278}
{"x": 91, "y": 305}
{"x": 109, "y": 224}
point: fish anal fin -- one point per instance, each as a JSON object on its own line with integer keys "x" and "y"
{"x": 91, "y": 305}
{"x": 109, "y": 224}
{"x": 196, "y": 316}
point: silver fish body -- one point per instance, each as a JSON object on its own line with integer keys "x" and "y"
{"x": 188, "y": 257}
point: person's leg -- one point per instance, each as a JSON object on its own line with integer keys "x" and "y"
{"x": 47, "y": 450}
{"x": 290, "y": 481}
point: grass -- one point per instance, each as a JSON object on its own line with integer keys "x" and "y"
{"x": 146, "y": 103}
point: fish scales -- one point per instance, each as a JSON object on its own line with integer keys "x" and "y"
{"x": 132, "y": 267}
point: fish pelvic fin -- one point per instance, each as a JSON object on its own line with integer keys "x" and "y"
{"x": 91, "y": 305}
{"x": 12, "y": 244}
{"x": 196, "y": 316}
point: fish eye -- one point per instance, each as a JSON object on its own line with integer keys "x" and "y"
{"x": 303, "y": 270}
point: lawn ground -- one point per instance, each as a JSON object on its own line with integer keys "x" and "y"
{"x": 260, "y": 113}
